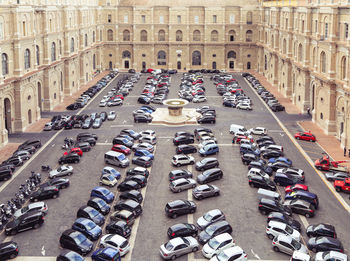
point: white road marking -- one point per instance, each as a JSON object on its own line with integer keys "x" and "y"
{"x": 254, "y": 254}
{"x": 103, "y": 144}
{"x": 304, "y": 221}
{"x": 165, "y": 137}
{"x": 113, "y": 126}
{"x": 43, "y": 251}
{"x": 189, "y": 197}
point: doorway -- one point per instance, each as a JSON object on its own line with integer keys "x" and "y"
{"x": 231, "y": 64}
{"x": 39, "y": 96}
{"x": 143, "y": 65}
{"x": 29, "y": 116}
{"x": 110, "y": 65}
{"x": 179, "y": 65}
{"x": 248, "y": 65}
{"x": 214, "y": 66}
{"x": 126, "y": 64}
{"x": 7, "y": 115}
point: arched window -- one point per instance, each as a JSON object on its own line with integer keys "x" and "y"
{"x": 196, "y": 58}
{"x": 126, "y": 54}
{"x": 314, "y": 57}
{"x": 86, "y": 40}
{"x": 265, "y": 63}
{"x": 231, "y": 54}
{"x": 323, "y": 62}
{"x": 126, "y": 35}
{"x": 249, "y": 36}
{"x": 161, "y": 58}
{"x": 300, "y": 53}
{"x": 94, "y": 62}
{"x": 26, "y": 59}
{"x": 284, "y": 45}
{"x": 110, "y": 35}
{"x": 214, "y": 36}
{"x": 343, "y": 68}
{"x": 53, "y": 52}
{"x": 143, "y": 36}
{"x": 161, "y": 35}
{"x": 249, "y": 17}
{"x": 72, "y": 45}
{"x": 5, "y": 64}
{"x": 93, "y": 36}
{"x": 37, "y": 51}
{"x": 231, "y": 35}
{"x": 272, "y": 41}
{"x": 178, "y": 36}
{"x": 60, "y": 47}
{"x": 196, "y": 35}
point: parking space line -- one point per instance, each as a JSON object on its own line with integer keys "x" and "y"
{"x": 103, "y": 144}
{"x": 304, "y": 220}
{"x": 130, "y": 125}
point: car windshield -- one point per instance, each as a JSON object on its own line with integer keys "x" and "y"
{"x": 90, "y": 225}
{"x": 79, "y": 238}
{"x": 213, "y": 243}
{"x": 222, "y": 256}
{"x": 207, "y": 217}
{"x": 210, "y": 230}
{"x": 296, "y": 245}
{"x": 121, "y": 157}
{"x": 289, "y": 230}
{"x": 73, "y": 256}
{"x": 24, "y": 210}
{"x": 168, "y": 246}
{"x": 113, "y": 171}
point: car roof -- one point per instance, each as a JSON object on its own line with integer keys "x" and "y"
{"x": 37, "y": 204}
{"x": 223, "y": 237}
{"x": 176, "y": 203}
{"x": 180, "y": 180}
{"x": 176, "y": 241}
{"x": 277, "y": 224}
{"x": 231, "y": 251}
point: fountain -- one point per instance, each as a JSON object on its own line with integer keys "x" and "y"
{"x": 175, "y": 106}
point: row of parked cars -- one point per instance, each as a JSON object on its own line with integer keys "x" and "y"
{"x": 156, "y": 89}
{"x": 212, "y": 229}
{"x": 192, "y": 88}
{"x": 282, "y": 229}
{"x": 91, "y": 92}
{"x": 268, "y": 97}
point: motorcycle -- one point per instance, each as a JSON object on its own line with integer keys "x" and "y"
{"x": 46, "y": 168}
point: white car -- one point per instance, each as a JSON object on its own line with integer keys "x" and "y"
{"x": 287, "y": 245}
{"x": 258, "y": 131}
{"x": 37, "y": 206}
{"x": 233, "y": 253}
{"x": 331, "y": 256}
{"x": 148, "y": 139}
{"x": 199, "y": 99}
{"x": 178, "y": 246}
{"x": 117, "y": 242}
{"x": 210, "y": 217}
{"x": 206, "y": 137}
{"x": 140, "y": 112}
{"x": 148, "y": 133}
{"x": 259, "y": 172}
{"x": 111, "y": 115}
{"x": 299, "y": 256}
{"x": 204, "y": 107}
{"x": 206, "y": 142}
{"x": 182, "y": 159}
{"x": 275, "y": 228}
{"x": 61, "y": 171}
{"x": 102, "y": 103}
{"x": 244, "y": 106}
{"x": 217, "y": 244}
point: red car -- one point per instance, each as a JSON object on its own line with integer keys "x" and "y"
{"x": 296, "y": 187}
{"x": 74, "y": 150}
{"x": 150, "y": 70}
{"x": 237, "y": 139}
{"x": 305, "y": 136}
{"x": 119, "y": 96}
{"x": 121, "y": 148}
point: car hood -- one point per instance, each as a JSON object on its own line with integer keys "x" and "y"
{"x": 96, "y": 231}
{"x": 54, "y": 172}
{"x": 86, "y": 245}
{"x": 200, "y": 177}
{"x": 310, "y": 228}
{"x": 10, "y": 225}
{"x": 312, "y": 241}
{"x": 202, "y": 223}
{"x": 204, "y": 236}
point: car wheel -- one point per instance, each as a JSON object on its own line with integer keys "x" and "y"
{"x": 252, "y": 185}
{"x": 178, "y": 165}
{"x": 174, "y": 216}
{"x": 195, "y": 249}
{"x": 192, "y": 162}
{"x": 263, "y": 212}
{"x": 200, "y": 197}
{"x": 297, "y": 138}
{"x": 279, "y": 184}
{"x": 194, "y": 185}
{"x": 179, "y": 190}
{"x": 307, "y": 215}
{"x": 70, "y": 173}
{"x": 216, "y": 194}
{"x": 6, "y": 178}
{"x": 102, "y": 246}
{"x": 36, "y": 200}
{"x": 13, "y": 256}
{"x": 173, "y": 257}
{"x": 76, "y": 161}
{"x": 192, "y": 211}
{"x": 276, "y": 249}
{"x": 36, "y": 226}
{"x": 270, "y": 236}
{"x": 314, "y": 250}
{"x": 13, "y": 232}
{"x": 110, "y": 185}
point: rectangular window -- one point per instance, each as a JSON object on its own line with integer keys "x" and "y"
{"x": 161, "y": 19}
{"x": 196, "y": 19}
{"x": 232, "y": 19}
{"x": 109, "y": 18}
{"x": 143, "y": 19}
{"x": 1, "y": 31}
{"x": 214, "y": 19}
{"x": 346, "y": 31}
{"x": 315, "y": 26}
{"x": 179, "y": 19}
{"x": 326, "y": 31}
{"x": 126, "y": 19}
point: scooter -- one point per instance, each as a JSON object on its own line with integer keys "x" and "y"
{"x": 46, "y": 168}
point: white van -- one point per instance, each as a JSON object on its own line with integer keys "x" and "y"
{"x": 235, "y": 128}
{"x": 264, "y": 193}
{"x": 116, "y": 158}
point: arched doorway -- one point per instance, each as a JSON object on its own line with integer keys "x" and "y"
{"x": 110, "y": 65}
{"x": 313, "y": 97}
{"x": 40, "y": 103}
{"x": 126, "y": 56}
{"x": 248, "y": 65}
{"x": 29, "y": 116}
{"x": 179, "y": 65}
{"x": 231, "y": 56}
{"x": 143, "y": 65}
{"x": 7, "y": 115}
{"x": 214, "y": 66}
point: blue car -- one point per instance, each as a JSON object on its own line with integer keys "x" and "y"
{"x": 146, "y": 109}
{"x": 303, "y": 195}
{"x": 112, "y": 171}
{"x": 144, "y": 153}
{"x": 106, "y": 254}
{"x": 281, "y": 159}
{"x": 88, "y": 228}
{"x": 92, "y": 214}
{"x": 101, "y": 192}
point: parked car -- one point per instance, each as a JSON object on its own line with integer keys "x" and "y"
{"x": 305, "y": 136}
{"x": 214, "y": 230}
{"x": 287, "y": 245}
{"x": 205, "y": 191}
{"x": 321, "y": 229}
{"x": 182, "y": 230}
{"x": 210, "y": 175}
{"x": 182, "y": 159}
{"x": 258, "y": 181}
{"x": 276, "y": 228}
{"x": 178, "y": 246}
{"x": 70, "y": 158}
{"x": 75, "y": 241}
{"x": 117, "y": 242}
{"x": 33, "y": 207}
{"x": 45, "y": 193}
{"x": 88, "y": 228}
{"x": 100, "y": 205}
{"x": 330, "y": 255}
{"x": 119, "y": 227}
{"x": 179, "y": 207}
{"x": 210, "y": 217}
{"x": 30, "y": 220}
{"x": 103, "y": 193}
{"x": 322, "y": 243}
{"x": 92, "y": 214}
{"x": 282, "y": 217}
{"x": 207, "y": 163}
{"x": 8, "y": 250}
{"x": 301, "y": 207}
{"x": 217, "y": 244}
{"x": 181, "y": 184}
{"x": 61, "y": 171}
{"x": 267, "y": 206}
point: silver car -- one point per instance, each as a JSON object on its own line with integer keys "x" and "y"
{"x": 61, "y": 171}
{"x": 111, "y": 116}
{"x": 181, "y": 184}
{"x": 178, "y": 246}
{"x": 210, "y": 217}
{"x": 287, "y": 245}
{"x": 205, "y": 191}
{"x": 37, "y": 206}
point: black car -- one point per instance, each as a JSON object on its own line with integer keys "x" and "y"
{"x": 271, "y": 154}
{"x": 213, "y": 230}
{"x": 58, "y": 125}
{"x": 128, "y": 185}
{"x": 82, "y": 136}
{"x": 207, "y": 163}
{"x": 16, "y": 161}
{"x": 72, "y": 107}
{"x": 133, "y": 134}
{"x": 100, "y": 205}
{"x": 183, "y": 133}
{"x": 258, "y": 181}
{"x": 28, "y": 143}
{"x": 142, "y": 161}
{"x": 8, "y": 250}
{"x": 122, "y": 141}
{"x": 92, "y": 214}
{"x": 210, "y": 175}
{"x": 84, "y": 146}
{"x": 68, "y": 255}
{"x": 45, "y": 193}
{"x": 130, "y": 205}
{"x": 321, "y": 230}
{"x": 120, "y": 228}
{"x": 138, "y": 171}
{"x": 320, "y": 244}
{"x": 60, "y": 183}
{"x": 131, "y": 71}
{"x": 277, "y": 107}
{"x": 141, "y": 180}
{"x": 206, "y": 119}
{"x": 182, "y": 230}
{"x": 263, "y": 139}
{"x": 180, "y": 207}
{"x": 69, "y": 158}
{"x": 143, "y": 118}
{"x": 132, "y": 194}
{"x": 144, "y": 100}
{"x": 267, "y": 206}
{"x": 249, "y": 157}
{"x": 179, "y": 173}
{"x": 183, "y": 140}
{"x": 32, "y": 219}
{"x": 278, "y": 165}
{"x": 185, "y": 149}
{"x": 282, "y": 217}
{"x": 231, "y": 104}
{"x": 301, "y": 207}
{"x": 76, "y": 241}
{"x": 266, "y": 143}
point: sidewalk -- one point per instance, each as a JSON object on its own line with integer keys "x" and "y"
{"x": 36, "y": 127}
{"x": 329, "y": 143}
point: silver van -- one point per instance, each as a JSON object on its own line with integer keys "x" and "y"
{"x": 117, "y": 159}
{"x": 235, "y": 128}
{"x": 268, "y": 194}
